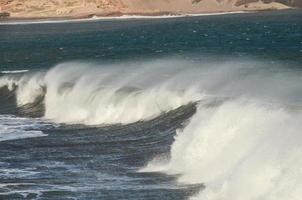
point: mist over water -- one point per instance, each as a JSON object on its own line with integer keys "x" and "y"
{"x": 239, "y": 150}
{"x": 129, "y": 92}
{"x": 109, "y": 94}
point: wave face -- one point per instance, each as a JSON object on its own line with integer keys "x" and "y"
{"x": 247, "y": 146}
{"x": 240, "y": 150}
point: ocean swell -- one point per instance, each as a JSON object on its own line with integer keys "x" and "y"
{"x": 78, "y": 93}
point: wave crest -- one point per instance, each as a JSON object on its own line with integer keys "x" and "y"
{"x": 81, "y": 93}
{"x": 240, "y": 149}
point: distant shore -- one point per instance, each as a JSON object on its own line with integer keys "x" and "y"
{"x": 57, "y": 10}
{"x": 113, "y": 15}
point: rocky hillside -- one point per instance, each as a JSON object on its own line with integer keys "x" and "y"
{"x": 78, "y": 8}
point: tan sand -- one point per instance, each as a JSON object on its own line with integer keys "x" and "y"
{"x": 86, "y": 8}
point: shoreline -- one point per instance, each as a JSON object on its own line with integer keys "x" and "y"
{"x": 120, "y": 16}
{"x": 112, "y": 16}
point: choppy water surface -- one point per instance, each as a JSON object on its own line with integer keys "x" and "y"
{"x": 206, "y": 107}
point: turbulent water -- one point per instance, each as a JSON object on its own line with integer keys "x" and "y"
{"x": 206, "y": 107}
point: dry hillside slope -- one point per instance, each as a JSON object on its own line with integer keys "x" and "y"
{"x": 78, "y": 8}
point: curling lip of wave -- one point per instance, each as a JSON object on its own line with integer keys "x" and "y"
{"x": 128, "y": 92}
{"x": 92, "y": 96}
{"x": 246, "y": 147}
{"x": 236, "y": 145}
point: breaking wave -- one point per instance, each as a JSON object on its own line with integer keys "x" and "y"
{"x": 239, "y": 150}
{"x": 247, "y": 146}
{"x": 244, "y": 141}
{"x": 79, "y": 93}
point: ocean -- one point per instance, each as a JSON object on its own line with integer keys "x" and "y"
{"x": 199, "y": 107}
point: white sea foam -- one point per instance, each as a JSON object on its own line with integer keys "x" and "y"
{"x": 240, "y": 150}
{"x": 129, "y": 92}
{"x": 13, "y": 128}
{"x": 247, "y": 147}
{"x": 107, "y": 96}
{"x": 87, "y": 94}
{"x": 14, "y": 71}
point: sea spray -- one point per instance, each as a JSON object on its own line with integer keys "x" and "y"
{"x": 241, "y": 149}
{"x": 79, "y": 93}
{"x": 93, "y": 94}
{"x": 246, "y": 146}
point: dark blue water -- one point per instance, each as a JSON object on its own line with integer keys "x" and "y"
{"x": 265, "y": 35}
{"x": 43, "y": 159}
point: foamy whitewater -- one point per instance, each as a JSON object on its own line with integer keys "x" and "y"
{"x": 13, "y": 128}
{"x": 94, "y": 96}
{"x": 244, "y": 141}
{"x": 239, "y": 150}
{"x": 14, "y": 71}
